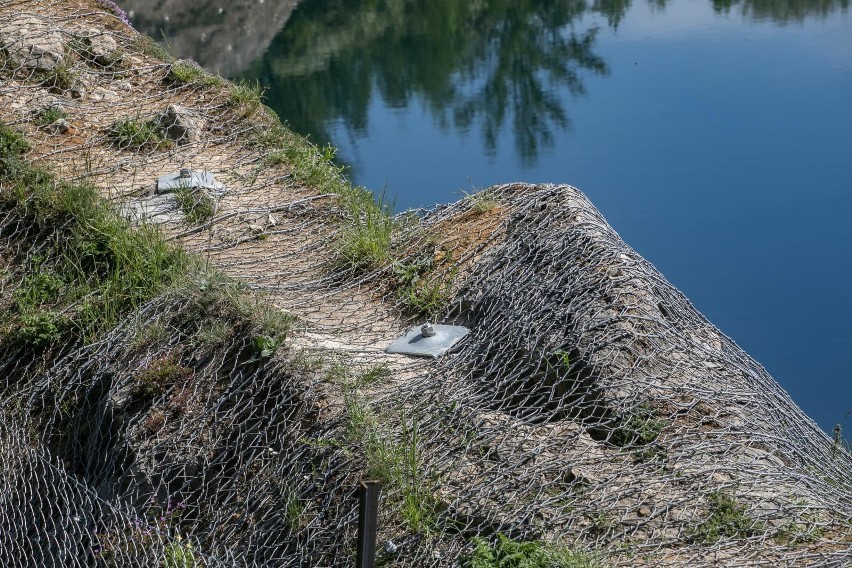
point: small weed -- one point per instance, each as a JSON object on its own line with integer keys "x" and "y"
{"x": 48, "y": 116}
{"x": 58, "y": 80}
{"x": 294, "y": 511}
{"x": 136, "y": 134}
{"x": 482, "y": 201}
{"x": 640, "y": 429}
{"x": 213, "y": 333}
{"x": 153, "y": 380}
{"x": 508, "y": 553}
{"x": 196, "y": 204}
{"x": 39, "y": 287}
{"x": 151, "y": 48}
{"x": 265, "y": 345}
{"x": 179, "y": 554}
{"x": 185, "y": 72}
{"x": 41, "y": 329}
{"x": 727, "y": 520}
{"x": 246, "y": 95}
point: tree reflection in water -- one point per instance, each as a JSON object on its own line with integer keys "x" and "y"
{"x": 482, "y": 65}
{"x": 479, "y": 65}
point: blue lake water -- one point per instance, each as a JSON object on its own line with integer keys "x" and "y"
{"x": 714, "y": 135}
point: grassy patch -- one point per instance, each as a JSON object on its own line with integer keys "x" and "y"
{"x": 183, "y": 72}
{"x": 508, "y": 553}
{"x": 58, "y": 80}
{"x": 106, "y": 266}
{"x": 137, "y": 134}
{"x": 368, "y": 223}
{"x": 727, "y": 520}
{"x": 48, "y": 116}
{"x": 395, "y": 464}
{"x": 197, "y": 205}
{"x": 151, "y": 48}
{"x": 482, "y": 201}
{"x": 247, "y": 96}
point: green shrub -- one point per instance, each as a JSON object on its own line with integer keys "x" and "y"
{"x": 179, "y": 554}
{"x": 727, "y": 520}
{"x": 41, "y": 329}
{"x": 48, "y": 116}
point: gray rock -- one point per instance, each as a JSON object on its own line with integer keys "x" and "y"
{"x": 101, "y": 47}
{"x": 157, "y": 209}
{"x": 30, "y": 42}
{"x": 181, "y": 124}
{"x": 61, "y": 126}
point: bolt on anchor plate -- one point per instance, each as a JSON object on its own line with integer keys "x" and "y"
{"x": 187, "y": 178}
{"x": 428, "y": 340}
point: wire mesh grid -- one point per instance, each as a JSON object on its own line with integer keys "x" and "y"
{"x": 591, "y": 408}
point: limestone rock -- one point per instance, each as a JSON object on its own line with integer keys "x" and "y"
{"x": 31, "y": 42}
{"x": 101, "y": 47}
{"x": 181, "y": 124}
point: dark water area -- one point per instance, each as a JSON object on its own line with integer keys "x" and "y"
{"x": 714, "y": 135}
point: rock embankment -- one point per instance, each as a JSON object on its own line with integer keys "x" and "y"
{"x": 225, "y": 420}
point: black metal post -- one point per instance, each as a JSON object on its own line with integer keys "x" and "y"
{"x": 368, "y": 515}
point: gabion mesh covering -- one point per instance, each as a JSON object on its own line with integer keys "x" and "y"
{"x": 591, "y": 408}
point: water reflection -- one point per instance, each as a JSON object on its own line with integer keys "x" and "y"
{"x": 481, "y": 65}
{"x": 486, "y": 66}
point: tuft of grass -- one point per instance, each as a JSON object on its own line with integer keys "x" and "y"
{"x": 366, "y": 238}
{"x": 58, "y": 80}
{"x": 197, "y": 205}
{"x": 48, "y": 116}
{"x": 727, "y": 520}
{"x": 136, "y": 134}
{"x": 159, "y": 375}
{"x": 151, "y": 48}
{"x": 482, "y": 201}
{"x": 639, "y": 429}
{"x": 396, "y": 465}
{"x": 508, "y": 553}
{"x": 185, "y": 72}
{"x": 246, "y": 95}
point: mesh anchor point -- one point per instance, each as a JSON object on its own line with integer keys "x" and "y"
{"x": 428, "y": 340}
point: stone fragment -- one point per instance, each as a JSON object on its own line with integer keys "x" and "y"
{"x": 61, "y": 126}
{"x": 180, "y": 124}
{"x": 30, "y": 42}
{"x": 101, "y": 94}
{"x": 101, "y": 47}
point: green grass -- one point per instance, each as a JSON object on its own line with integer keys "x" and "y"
{"x": 136, "y": 134}
{"x": 159, "y": 375}
{"x": 151, "y": 48}
{"x": 58, "y": 80}
{"x": 395, "y": 464}
{"x": 727, "y": 519}
{"x": 638, "y": 431}
{"x": 48, "y": 116}
{"x": 179, "y": 554}
{"x": 248, "y": 96}
{"x": 482, "y": 201}
{"x": 367, "y": 224}
{"x": 197, "y": 205}
{"x": 104, "y": 265}
{"x": 508, "y": 553}
{"x": 183, "y": 72}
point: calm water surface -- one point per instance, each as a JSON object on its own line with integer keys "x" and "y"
{"x": 714, "y": 135}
